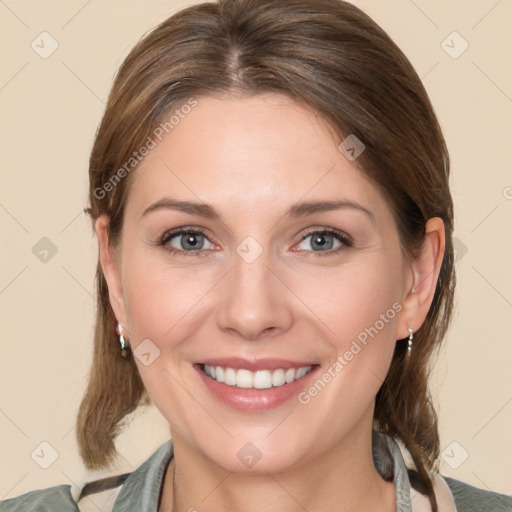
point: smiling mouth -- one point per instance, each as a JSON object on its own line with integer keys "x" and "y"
{"x": 260, "y": 379}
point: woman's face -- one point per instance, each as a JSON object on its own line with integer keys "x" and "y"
{"x": 263, "y": 282}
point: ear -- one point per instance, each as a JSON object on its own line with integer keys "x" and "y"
{"x": 422, "y": 280}
{"x": 110, "y": 265}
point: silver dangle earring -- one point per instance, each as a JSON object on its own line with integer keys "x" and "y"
{"x": 409, "y": 342}
{"x": 122, "y": 341}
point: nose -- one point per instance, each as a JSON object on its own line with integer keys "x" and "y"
{"x": 257, "y": 302}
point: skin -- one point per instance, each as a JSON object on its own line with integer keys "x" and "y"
{"x": 251, "y": 159}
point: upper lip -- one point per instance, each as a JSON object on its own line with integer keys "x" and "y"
{"x": 255, "y": 364}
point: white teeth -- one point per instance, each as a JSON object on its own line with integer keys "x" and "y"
{"x": 300, "y": 373}
{"x": 244, "y": 379}
{"x": 278, "y": 377}
{"x": 261, "y": 379}
{"x": 290, "y": 375}
{"x": 229, "y": 377}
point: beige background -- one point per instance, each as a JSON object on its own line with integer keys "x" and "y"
{"x": 50, "y": 109}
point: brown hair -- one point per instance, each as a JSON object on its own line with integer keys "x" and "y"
{"x": 327, "y": 55}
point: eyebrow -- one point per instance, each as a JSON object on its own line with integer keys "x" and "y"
{"x": 295, "y": 211}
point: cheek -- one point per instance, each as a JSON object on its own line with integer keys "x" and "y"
{"x": 158, "y": 298}
{"x": 164, "y": 302}
{"x": 360, "y": 309}
{"x": 351, "y": 300}
{"x": 174, "y": 306}
{"x": 160, "y": 303}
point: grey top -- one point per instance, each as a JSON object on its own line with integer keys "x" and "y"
{"x": 141, "y": 492}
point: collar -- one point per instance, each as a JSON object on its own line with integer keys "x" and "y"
{"x": 141, "y": 490}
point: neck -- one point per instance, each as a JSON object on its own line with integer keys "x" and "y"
{"x": 342, "y": 479}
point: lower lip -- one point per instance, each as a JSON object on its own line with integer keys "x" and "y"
{"x": 255, "y": 399}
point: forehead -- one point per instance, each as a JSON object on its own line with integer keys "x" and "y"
{"x": 249, "y": 152}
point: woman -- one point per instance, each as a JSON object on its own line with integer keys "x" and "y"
{"x": 269, "y": 188}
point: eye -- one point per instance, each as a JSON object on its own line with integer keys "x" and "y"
{"x": 185, "y": 241}
{"x": 323, "y": 241}
{"x": 191, "y": 242}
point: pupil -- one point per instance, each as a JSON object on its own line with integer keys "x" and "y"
{"x": 191, "y": 240}
{"x": 319, "y": 240}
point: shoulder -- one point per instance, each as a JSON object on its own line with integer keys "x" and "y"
{"x": 60, "y": 498}
{"x": 42, "y": 500}
{"x": 472, "y": 499}
{"x": 133, "y": 489}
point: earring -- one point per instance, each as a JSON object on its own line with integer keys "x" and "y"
{"x": 409, "y": 342}
{"x": 122, "y": 341}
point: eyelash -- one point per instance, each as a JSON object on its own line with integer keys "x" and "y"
{"x": 345, "y": 240}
